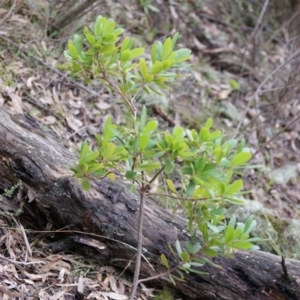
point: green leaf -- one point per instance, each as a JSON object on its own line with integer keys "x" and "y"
{"x": 241, "y": 146}
{"x": 108, "y": 49}
{"x": 118, "y": 31}
{"x": 229, "y": 234}
{"x": 187, "y": 170}
{"x": 167, "y": 48}
{"x": 85, "y": 184}
{"x": 148, "y": 78}
{"x": 150, "y": 126}
{"x": 208, "y": 123}
{"x": 185, "y": 256}
{"x": 232, "y": 221}
{"x": 153, "y": 54}
{"x": 143, "y": 117}
{"x": 204, "y": 134}
{"x": 234, "y": 200}
{"x": 157, "y": 67}
{"x": 178, "y": 248}
{"x": 98, "y": 25}
{"x": 78, "y": 43}
{"x": 214, "y": 135}
{"x": 250, "y": 225}
{"x": 172, "y": 279}
{"x": 169, "y": 167}
{"x": 136, "y": 52}
{"x": 241, "y": 245}
{"x": 171, "y": 186}
{"x": 150, "y": 166}
{"x": 218, "y": 153}
{"x": 196, "y": 264}
{"x": 234, "y": 187}
{"x": 191, "y": 188}
{"x": 234, "y": 84}
{"x": 108, "y": 129}
{"x": 174, "y": 39}
{"x": 91, "y": 39}
{"x": 111, "y": 176}
{"x": 193, "y": 248}
{"x": 164, "y": 260}
{"x": 85, "y": 149}
{"x": 90, "y": 156}
{"x": 210, "y": 252}
{"x": 110, "y": 26}
{"x": 95, "y": 168}
{"x": 178, "y": 133}
{"x": 182, "y": 55}
{"x": 130, "y": 175}
{"x": 83, "y": 166}
{"x": 108, "y": 150}
{"x": 143, "y": 68}
{"x": 218, "y": 211}
{"x": 159, "y": 51}
{"x": 240, "y": 159}
{"x": 72, "y": 50}
{"x": 125, "y": 44}
{"x": 143, "y": 141}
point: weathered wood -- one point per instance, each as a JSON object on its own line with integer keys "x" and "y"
{"x": 110, "y": 210}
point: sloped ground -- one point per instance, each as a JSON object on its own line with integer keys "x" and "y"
{"x": 244, "y": 77}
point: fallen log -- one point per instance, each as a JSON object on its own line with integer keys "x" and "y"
{"x": 33, "y": 156}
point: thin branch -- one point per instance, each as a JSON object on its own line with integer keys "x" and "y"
{"x": 182, "y": 198}
{"x": 285, "y": 24}
{"x": 21, "y": 262}
{"x": 140, "y": 241}
{"x": 260, "y": 19}
{"x": 154, "y": 177}
{"x": 10, "y": 12}
{"x": 258, "y": 90}
{"x": 117, "y": 90}
{"x": 277, "y": 134}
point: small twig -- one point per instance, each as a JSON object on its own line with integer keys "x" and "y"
{"x": 140, "y": 241}
{"x": 182, "y": 198}
{"x": 21, "y": 262}
{"x": 117, "y": 90}
{"x": 154, "y": 177}
{"x": 260, "y": 19}
{"x": 29, "y": 251}
{"x": 258, "y": 90}
{"x": 256, "y": 35}
{"x": 127, "y": 266}
{"x": 10, "y": 12}
{"x": 160, "y": 112}
{"x": 277, "y": 134}
{"x": 284, "y": 268}
{"x": 285, "y": 24}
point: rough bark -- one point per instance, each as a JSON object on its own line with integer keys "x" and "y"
{"x": 110, "y": 210}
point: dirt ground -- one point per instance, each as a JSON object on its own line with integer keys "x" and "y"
{"x": 243, "y": 72}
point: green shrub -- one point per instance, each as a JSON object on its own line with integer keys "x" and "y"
{"x": 141, "y": 153}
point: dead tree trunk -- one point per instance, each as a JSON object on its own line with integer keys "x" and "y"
{"x": 110, "y": 210}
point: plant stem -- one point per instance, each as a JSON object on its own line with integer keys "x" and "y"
{"x": 139, "y": 246}
{"x": 131, "y": 106}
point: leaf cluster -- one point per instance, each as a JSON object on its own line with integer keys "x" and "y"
{"x": 100, "y": 54}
